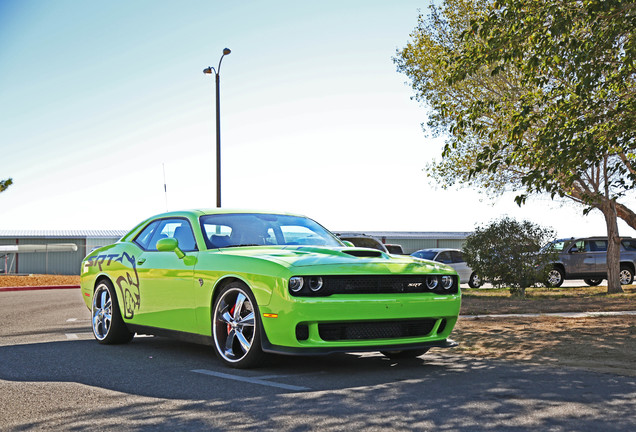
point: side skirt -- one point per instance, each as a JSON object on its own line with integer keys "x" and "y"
{"x": 174, "y": 334}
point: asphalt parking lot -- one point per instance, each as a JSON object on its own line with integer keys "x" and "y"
{"x": 54, "y": 376}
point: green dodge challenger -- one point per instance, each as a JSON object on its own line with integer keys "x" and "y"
{"x": 250, "y": 283}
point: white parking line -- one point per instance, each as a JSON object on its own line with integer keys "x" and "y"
{"x": 71, "y": 336}
{"x": 251, "y": 380}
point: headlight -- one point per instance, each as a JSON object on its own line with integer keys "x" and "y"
{"x": 315, "y": 283}
{"x": 447, "y": 282}
{"x": 296, "y": 283}
{"x": 432, "y": 282}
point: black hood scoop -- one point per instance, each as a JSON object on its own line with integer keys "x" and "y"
{"x": 364, "y": 253}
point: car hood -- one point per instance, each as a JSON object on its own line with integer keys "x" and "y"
{"x": 358, "y": 259}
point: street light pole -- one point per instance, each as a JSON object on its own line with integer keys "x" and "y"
{"x": 217, "y": 71}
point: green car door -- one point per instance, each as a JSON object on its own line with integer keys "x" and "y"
{"x": 166, "y": 279}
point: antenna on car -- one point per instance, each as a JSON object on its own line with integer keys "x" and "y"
{"x": 165, "y": 188}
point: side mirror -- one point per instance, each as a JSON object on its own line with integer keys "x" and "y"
{"x": 170, "y": 245}
{"x": 347, "y": 243}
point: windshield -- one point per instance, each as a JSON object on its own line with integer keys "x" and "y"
{"x": 246, "y": 229}
{"x": 428, "y": 255}
{"x": 554, "y": 246}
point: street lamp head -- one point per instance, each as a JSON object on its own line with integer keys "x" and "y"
{"x": 208, "y": 70}
{"x": 226, "y": 51}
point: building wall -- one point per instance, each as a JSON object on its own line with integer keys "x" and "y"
{"x": 61, "y": 263}
{"x": 411, "y": 245}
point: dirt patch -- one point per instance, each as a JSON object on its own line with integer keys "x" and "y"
{"x": 548, "y": 300}
{"x": 603, "y": 344}
{"x": 37, "y": 280}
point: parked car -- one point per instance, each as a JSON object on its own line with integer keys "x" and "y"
{"x": 363, "y": 240}
{"x": 250, "y": 283}
{"x": 453, "y": 258}
{"x": 394, "y": 249}
{"x": 586, "y": 258}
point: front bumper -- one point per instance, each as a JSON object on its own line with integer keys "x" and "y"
{"x": 346, "y": 323}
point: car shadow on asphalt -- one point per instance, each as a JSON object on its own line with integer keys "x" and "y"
{"x": 360, "y": 391}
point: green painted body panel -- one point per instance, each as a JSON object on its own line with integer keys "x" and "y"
{"x": 158, "y": 289}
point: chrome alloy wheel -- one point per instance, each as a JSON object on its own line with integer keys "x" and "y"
{"x": 555, "y": 278}
{"x": 102, "y": 312}
{"x": 234, "y": 325}
{"x": 625, "y": 276}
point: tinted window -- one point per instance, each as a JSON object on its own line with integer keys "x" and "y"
{"x": 457, "y": 256}
{"x": 598, "y": 245}
{"x": 244, "y": 229}
{"x": 178, "y": 229}
{"x": 629, "y": 245}
{"x": 144, "y": 237}
{"x": 444, "y": 257}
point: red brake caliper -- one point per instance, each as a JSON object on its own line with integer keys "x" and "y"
{"x": 229, "y": 327}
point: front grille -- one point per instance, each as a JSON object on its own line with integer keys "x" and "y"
{"x": 375, "y": 284}
{"x": 368, "y": 330}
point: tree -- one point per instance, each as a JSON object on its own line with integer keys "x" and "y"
{"x": 505, "y": 253}
{"x": 535, "y": 97}
{"x": 4, "y": 184}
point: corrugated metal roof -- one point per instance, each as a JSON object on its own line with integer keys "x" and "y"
{"x": 448, "y": 235}
{"x": 62, "y": 233}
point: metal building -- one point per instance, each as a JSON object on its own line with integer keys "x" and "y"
{"x": 413, "y": 241}
{"x": 48, "y": 260}
{"x": 68, "y": 263}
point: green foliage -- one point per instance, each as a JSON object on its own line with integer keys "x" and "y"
{"x": 577, "y": 107}
{"x": 4, "y": 184}
{"x": 505, "y": 253}
{"x": 534, "y": 96}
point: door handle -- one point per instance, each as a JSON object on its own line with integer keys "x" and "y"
{"x": 140, "y": 261}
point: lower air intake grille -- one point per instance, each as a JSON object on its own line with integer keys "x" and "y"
{"x": 368, "y": 330}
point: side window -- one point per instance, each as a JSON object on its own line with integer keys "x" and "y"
{"x": 144, "y": 237}
{"x": 457, "y": 257}
{"x": 598, "y": 246}
{"x": 178, "y": 229}
{"x": 444, "y": 257}
{"x": 580, "y": 246}
{"x": 629, "y": 245}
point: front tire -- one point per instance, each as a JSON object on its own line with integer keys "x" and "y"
{"x": 626, "y": 276}
{"x": 474, "y": 281}
{"x": 108, "y": 326}
{"x": 555, "y": 278}
{"x": 236, "y": 327}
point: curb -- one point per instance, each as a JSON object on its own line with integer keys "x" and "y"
{"x": 37, "y": 288}
{"x": 551, "y": 314}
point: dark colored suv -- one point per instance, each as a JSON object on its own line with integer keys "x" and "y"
{"x": 586, "y": 258}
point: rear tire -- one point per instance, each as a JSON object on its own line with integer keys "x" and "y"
{"x": 592, "y": 282}
{"x": 108, "y": 326}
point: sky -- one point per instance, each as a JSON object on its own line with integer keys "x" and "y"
{"x": 102, "y": 101}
